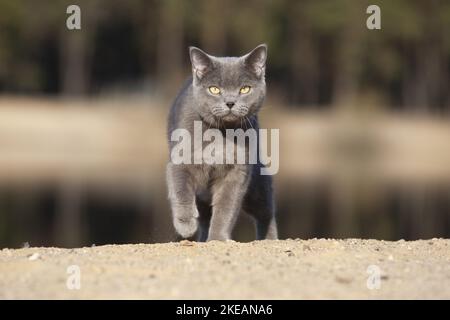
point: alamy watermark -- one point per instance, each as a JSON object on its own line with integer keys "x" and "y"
{"x": 73, "y": 21}
{"x": 374, "y": 20}
{"x": 235, "y": 147}
{"x": 74, "y": 279}
{"x": 374, "y": 279}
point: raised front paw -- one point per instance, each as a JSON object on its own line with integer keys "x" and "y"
{"x": 185, "y": 221}
{"x": 186, "y": 227}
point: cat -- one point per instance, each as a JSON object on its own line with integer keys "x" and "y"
{"x": 222, "y": 93}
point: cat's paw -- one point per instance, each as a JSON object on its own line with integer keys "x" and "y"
{"x": 186, "y": 227}
{"x": 213, "y": 236}
{"x": 185, "y": 219}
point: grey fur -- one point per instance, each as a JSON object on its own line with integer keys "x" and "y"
{"x": 210, "y": 197}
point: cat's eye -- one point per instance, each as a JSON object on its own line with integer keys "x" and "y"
{"x": 214, "y": 90}
{"x": 244, "y": 90}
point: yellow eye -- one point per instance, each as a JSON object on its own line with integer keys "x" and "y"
{"x": 214, "y": 90}
{"x": 244, "y": 90}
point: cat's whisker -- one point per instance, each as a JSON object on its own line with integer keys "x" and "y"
{"x": 210, "y": 121}
{"x": 249, "y": 122}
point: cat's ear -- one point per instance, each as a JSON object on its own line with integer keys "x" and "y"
{"x": 256, "y": 60}
{"x": 201, "y": 62}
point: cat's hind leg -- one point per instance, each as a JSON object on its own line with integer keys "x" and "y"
{"x": 265, "y": 223}
{"x": 266, "y": 229}
{"x": 204, "y": 220}
{"x": 260, "y": 205}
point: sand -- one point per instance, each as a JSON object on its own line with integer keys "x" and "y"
{"x": 282, "y": 269}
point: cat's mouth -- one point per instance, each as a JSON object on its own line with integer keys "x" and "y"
{"x": 231, "y": 115}
{"x": 226, "y": 115}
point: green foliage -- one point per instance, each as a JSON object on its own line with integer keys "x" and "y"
{"x": 313, "y": 42}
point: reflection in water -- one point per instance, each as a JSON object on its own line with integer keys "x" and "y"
{"x": 94, "y": 174}
{"x": 47, "y": 216}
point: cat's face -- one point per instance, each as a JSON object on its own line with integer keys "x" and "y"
{"x": 228, "y": 89}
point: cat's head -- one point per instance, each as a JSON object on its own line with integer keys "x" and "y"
{"x": 228, "y": 89}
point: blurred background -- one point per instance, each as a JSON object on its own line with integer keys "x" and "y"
{"x": 364, "y": 115}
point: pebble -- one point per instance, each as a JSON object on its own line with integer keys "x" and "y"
{"x": 186, "y": 243}
{"x": 34, "y": 256}
{"x": 343, "y": 279}
{"x": 289, "y": 253}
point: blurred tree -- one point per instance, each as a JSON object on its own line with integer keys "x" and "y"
{"x": 320, "y": 52}
{"x": 214, "y": 16}
{"x": 170, "y": 45}
{"x": 76, "y": 49}
{"x": 303, "y": 58}
{"x": 348, "y": 60}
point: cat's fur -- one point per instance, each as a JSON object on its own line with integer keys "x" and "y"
{"x": 210, "y": 197}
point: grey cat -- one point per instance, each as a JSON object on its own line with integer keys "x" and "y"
{"x": 223, "y": 93}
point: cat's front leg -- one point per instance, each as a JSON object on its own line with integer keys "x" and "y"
{"x": 182, "y": 200}
{"x": 226, "y": 202}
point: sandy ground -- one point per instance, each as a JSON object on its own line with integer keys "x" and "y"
{"x": 283, "y": 269}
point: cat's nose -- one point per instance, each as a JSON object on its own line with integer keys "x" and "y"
{"x": 230, "y": 104}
